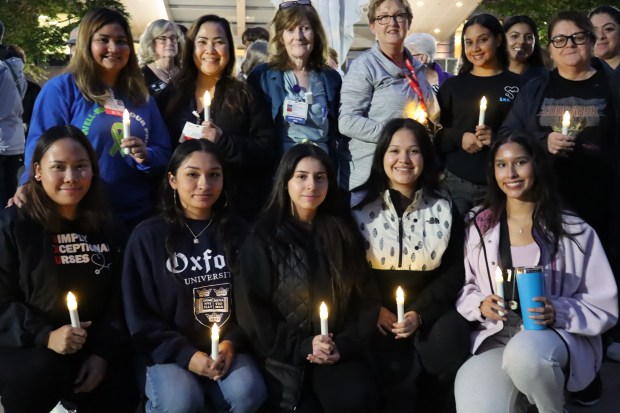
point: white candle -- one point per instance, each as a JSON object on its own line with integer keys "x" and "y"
{"x": 499, "y": 286}
{"x": 483, "y": 108}
{"x": 206, "y": 103}
{"x": 565, "y": 123}
{"x": 126, "y": 129}
{"x": 323, "y": 316}
{"x": 215, "y": 342}
{"x": 73, "y": 312}
{"x": 400, "y": 304}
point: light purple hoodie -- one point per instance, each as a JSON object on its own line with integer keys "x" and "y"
{"x": 578, "y": 281}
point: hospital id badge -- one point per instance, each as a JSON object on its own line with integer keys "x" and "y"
{"x": 295, "y": 112}
{"x": 191, "y": 131}
{"x": 114, "y": 107}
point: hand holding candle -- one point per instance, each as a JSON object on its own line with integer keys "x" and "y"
{"x": 215, "y": 341}
{"x": 126, "y": 129}
{"x": 483, "y": 108}
{"x": 323, "y": 316}
{"x": 565, "y": 123}
{"x": 499, "y": 286}
{"x": 206, "y": 104}
{"x": 400, "y": 305}
{"x": 73, "y": 312}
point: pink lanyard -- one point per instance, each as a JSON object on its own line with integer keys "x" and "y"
{"x": 415, "y": 85}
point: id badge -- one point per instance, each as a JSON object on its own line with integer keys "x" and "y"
{"x": 114, "y": 107}
{"x": 295, "y": 112}
{"x": 191, "y": 131}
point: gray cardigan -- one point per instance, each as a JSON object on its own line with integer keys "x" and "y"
{"x": 374, "y": 90}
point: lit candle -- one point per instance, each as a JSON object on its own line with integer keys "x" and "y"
{"x": 323, "y": 315}
{"x": 206, "y": 103}
{"x": 499, "y": 286}
{"x": 73, "y": 312}
{"x": 483, "y": 108}
{"x": 126, "y": 131}
{"x": 400, "y": 304}
{"x": 215, "y": 342}
{"x": 565, "y": 123}
{"x": 420, "y": 116}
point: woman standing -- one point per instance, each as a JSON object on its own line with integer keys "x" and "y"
{"x": 413, "y": 241}
{"x": 160, "y": 54}
{"x": 524, "y": 51}
{"x": 62, "y": 240}
{"x": 302, "y": 253}
{"x": 606, "y": 22}
{"x": 303, "y": 92}
{"x": 464, "y": 140}
{"x": 378, "y": 86}
{"x": 235, "y": 120}
{"x": 103, "y": 80}
{"x": 423, "y": 47}
{"x": 177, "y": 286}
{"x": 521, "y": 224}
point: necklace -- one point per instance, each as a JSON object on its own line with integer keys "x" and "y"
{"x": 196, "y": 240}
{"x": 165, "y": 73}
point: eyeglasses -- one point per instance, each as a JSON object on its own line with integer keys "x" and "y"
{"x": 289, "y": 4}
{"x": 386, "y": 19}
{"x": 164, "y": 39}
{"x": 561, "y": 40}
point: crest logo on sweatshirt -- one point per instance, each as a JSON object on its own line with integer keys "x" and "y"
{"x": 212, "y": 304}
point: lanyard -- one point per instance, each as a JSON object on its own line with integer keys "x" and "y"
{"x": 415, "y": 85}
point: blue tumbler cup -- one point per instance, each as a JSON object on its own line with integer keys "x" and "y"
{"x": 530, "y": 285}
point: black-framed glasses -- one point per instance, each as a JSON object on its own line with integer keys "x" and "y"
{"x": 561, "y": 40}
{"x": 386, "y": 18}
{"x": 164, "y": 39}
{"x": 289, "y": 4}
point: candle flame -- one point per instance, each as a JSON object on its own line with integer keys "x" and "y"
{"x": 323, "y": 311}
{"x": 206, "y": 100}
{"x": 498, "y": 275}
{"x": 215, "y": 331}
{"x": 566, "y": 119}
{"x": 126, "y": 118}
{"x": 71, "y": 301}
{"x": 483, "y": 103}
{"x": 414, "y": 111}
{"x": 400, "y": 296}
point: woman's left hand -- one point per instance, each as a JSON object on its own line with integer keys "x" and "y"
{"x": 136, "y": 147}
{"x": 408, "y": 326}
{"x": 211, "y": 132}
{"x": 545, "y": 315}
{"x": 324, "y": 350}
{"x": 224, "y": 359}
{"x": 484, "y": 134}
{"x": 91, "y": 374}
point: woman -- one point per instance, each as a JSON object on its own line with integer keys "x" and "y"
{"x": 62, "y": 240}
{"x": 160, "y": 54}
{"x": 102, "y": 80}
{"x": 423, "y": 47}
{"x": 379, "y": 85}
{"x": 521, "y": 224}
{"x": 303, "y": 92}
{"x": 606, "y": 22}
{"x": 413, "y": 241}
{"x": 236, "y": 121}
{"x": 464, "y": 140}
{"x": 524, "y": 49}
{"x": 177, "y": 285}
{"x": 302, "y": 253}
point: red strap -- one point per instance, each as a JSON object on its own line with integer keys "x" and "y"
{"x": 415, "y": 85}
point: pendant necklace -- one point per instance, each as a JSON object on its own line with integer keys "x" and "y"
{"x": 196, "y": 240}
{"x": 165, "y": 73}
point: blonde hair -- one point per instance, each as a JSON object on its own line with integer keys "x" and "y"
{"x": 374, "y": 5}
{"x": 154, "y": 29}
{"x": 83, "y": 67}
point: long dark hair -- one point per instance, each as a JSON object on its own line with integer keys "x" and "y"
{"x": 339, "y": 238}
{"x": 495, "y": 27}
{"x": 172, "y": 210}
{"x": 547, "y": 219}
{"x": 92, "y": 211}
{"x": 378, "y": 181}
{"x": 536, "y": 58}
{"x": 184, "y": 84}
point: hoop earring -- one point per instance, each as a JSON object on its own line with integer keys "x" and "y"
{"x": 225, "y": 203}
{"x": 174, "y": 196}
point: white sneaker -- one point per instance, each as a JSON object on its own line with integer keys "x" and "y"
{"x": 613, "y": 351}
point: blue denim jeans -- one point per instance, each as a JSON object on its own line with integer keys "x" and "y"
{"x": 170, "y": 388}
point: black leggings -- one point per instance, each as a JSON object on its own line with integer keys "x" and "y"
{"x": 34, "y": 380}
